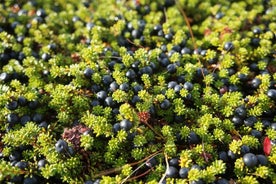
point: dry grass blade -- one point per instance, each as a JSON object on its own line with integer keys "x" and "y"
{"x": 190, "y": 30}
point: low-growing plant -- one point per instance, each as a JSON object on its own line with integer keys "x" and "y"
{"x": 137, "y": 91}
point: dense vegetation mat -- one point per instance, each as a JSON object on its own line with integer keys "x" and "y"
{"x": 137, "y": 91}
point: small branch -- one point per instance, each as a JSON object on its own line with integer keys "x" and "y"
{"x": 153, "y": 130}
{"x": 107, "y": 172}
{"x": 126, "y": 179}
{"x": 147, "y": 158}
{"x": 166, "y": 17}
{"x": 141, "y": 175}
{"x": 133, "y": 173}
{"x": 190, "y": 30}
{"x": 187, "y": 22}
{"x": 137, "y": 45}
{"x": 118, "y": 169}
{"x": 114, "y": 57}
{"x": 167, "y": 167}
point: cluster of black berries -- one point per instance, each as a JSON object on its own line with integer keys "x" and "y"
{"x": 187, "y": 77}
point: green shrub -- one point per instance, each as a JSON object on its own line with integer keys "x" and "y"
{"x": 137, "y": 91}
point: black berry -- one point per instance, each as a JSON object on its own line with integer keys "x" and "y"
{"x": 250, "y": 121}
{"x": 250, "y": 160}
{"x": 228, "y": 46}
{"x": 262, "y": 159}
{"x": 61, "y": 146}
{"x": 272, "y": 94}
{"x": 12, "y": 105}
{"x": 88, "y": 72}
{"x": 165, "y": 104}
{"x": 171, "y": 172}
{"x": 183, "y": 172}
{"x": 125, "y": 124}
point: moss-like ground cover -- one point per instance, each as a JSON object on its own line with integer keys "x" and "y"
{"x": 137, "y": 91}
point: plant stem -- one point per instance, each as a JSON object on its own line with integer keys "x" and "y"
{"x": 114, "y": 170}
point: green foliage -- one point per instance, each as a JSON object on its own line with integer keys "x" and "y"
{"x": 8, "y": 171}
{"x": 120, "y": 96}
{"x": 86, "y": 142}
{"x": 194, "y": 175}
{"x": 67, "y": 169}
{"x": 25, "y": 136}
{"x": 216, "y": 168}
{"x": 127, "y": 112}
{"x": 228, "y": 102}
{"x": 250, "y": 141}
{"x": 46, "y": 47}
{"x": 248, "y": 179}
{"x": 99, "y": 124}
